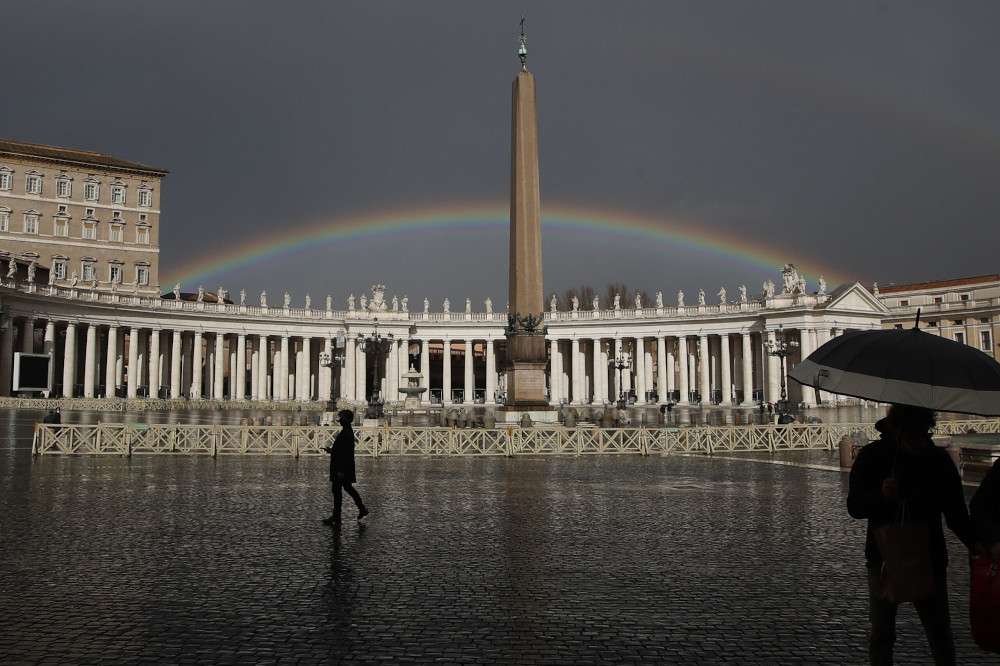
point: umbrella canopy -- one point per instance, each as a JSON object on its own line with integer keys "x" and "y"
{"x": 907, "y": 367}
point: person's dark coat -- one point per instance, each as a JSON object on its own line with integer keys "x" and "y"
{"x": 985, "y": 507}
{"x": 931, "y": 480}
{"x": 342, "y": 456}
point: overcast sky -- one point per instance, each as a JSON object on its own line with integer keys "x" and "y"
{"x": 859, "y": 139}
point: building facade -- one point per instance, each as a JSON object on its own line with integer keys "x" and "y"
{"x": 69, "y": 217}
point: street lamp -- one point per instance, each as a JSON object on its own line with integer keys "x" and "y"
{"x": 781, "y": 348}
{"x": 376, "y": 344}
{"x": 331, "y": 361}
{"x": 623, "y": 361}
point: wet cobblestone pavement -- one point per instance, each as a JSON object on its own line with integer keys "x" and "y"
{"x": 613, "y": 559}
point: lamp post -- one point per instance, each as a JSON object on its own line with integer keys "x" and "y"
{"x": 781, "y": 348}
{"x": 374, "y": 343}
{"x": 331, "y": 361}
{"x": 623, "y": 361}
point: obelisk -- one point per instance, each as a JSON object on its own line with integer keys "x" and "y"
{"x": 526, "y": 353}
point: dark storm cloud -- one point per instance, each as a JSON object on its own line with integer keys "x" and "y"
{"x": 862, "y": 137}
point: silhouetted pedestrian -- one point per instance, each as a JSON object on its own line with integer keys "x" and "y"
{"x": 342, "y": 471}
{"x": 53, "y": 416}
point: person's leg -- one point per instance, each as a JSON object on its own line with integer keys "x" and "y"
{"x": 356, "y": 496}
{"x": 338, "y": 499}
{"x": 934, "y": 615}
{"x": 882, "y": 617}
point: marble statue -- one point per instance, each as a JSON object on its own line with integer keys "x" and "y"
{"x": 638, "y": 301}
{"x": 659, "y": 299}
{"x": 618, "y": 302}
{"x": 597, "y": 303}
{"x": 404, "y": 302}
{"x": 468, "y": 306}
{"x": 447, "y": 305}
{"x": 221, "y": 295}
{"x": 489, "y": 305}
{"x": 288, "y": 300}
{"x": 552, "y": 303}
{"x": 201, "y": 293}
{"x": 11, "y": 268}
{"x": 52, "y": 278}
{"x": 329, "y": 302}
{"x": 427, "y": 306}
{"x": 822, "y": 285}
{"x": 743, "y": 293}
{"x": 576, "y": 303}
{"x": 75, "y": 279}
{"x": 263, "y": 299}
{"x": 680, "y": 299}
{"x": 243, "y": 296}
{"x": 177, "y": 289}
{"x": 364, "y": 301}
{"x": 875, "y": 288}
{"x": 114, "y": 286}
{"x": 308, "y": 301}
{"x": 395, "y": 304}
{"x": 31, "y": 272}
{"x": 350, "y": 302}
{"x": 769, "y": 289}
{"x": 701, "y": 297}
{"x": 378, "y": 298}
{"x": 722, "y": 295}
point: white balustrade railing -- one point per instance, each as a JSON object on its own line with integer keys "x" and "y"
{"x": 215, "y": 440}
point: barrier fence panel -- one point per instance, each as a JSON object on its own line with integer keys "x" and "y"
{"x": 129, "y": 439}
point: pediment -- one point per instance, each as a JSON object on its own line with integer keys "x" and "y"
{"x": 855, "y": 298}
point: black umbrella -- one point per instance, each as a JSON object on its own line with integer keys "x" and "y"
{"x": 907, "y": 367}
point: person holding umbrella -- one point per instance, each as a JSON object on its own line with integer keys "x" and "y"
{"x": 905, "y": 469}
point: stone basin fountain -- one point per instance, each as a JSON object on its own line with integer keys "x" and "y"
{"x": 412, "y": 390}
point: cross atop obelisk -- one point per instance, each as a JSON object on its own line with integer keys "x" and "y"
{"x": 526, "y": 354}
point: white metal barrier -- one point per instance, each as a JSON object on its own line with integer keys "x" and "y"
{"x": 216, "y": 440}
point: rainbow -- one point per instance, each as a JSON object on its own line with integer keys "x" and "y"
{"x": 593, "y": 223}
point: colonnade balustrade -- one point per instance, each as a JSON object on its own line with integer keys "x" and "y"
{"x": 126, "y": 357}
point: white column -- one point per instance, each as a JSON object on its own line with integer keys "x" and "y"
{"x": 807, "y": 344}
{"x": 175, "y": 365}
{"x": 241, "y": 368}
{"x": 133, "y": 363}
{"x": 661, "y": 369}
{"x": 682, "y": 354}
{"x": 361, "y": 387}
{"x": 822, "y": 337}
{"x": 111, "y": 363}
{"x": 255, "y": 355}
{"x": 392, "y": 370}
{"x": 617, "y": 375}
{"x": 470, "y": 377}
{"x": 425, "y": 369}
{"x": 727, "y": 372}
{"x": 263, "y": 363}
{"x": 219, "y": 365}
{"x": 350, "y": 369}
{"x": 671, "y": 361}
{"x": 491, "y": 372}
{"x": 446, "y": 372}
{"x": 303, "y": 370}
{"x": 640, "y": 370}
{"x": 49, "y": 343}
{"x": 90, "y": 362}
{"x": 704, "y": 369}
{"x": 576, "y": 367}
{"x": 325, "y": 387}
{"x": 28, "y": 337}
{"x": 600, "y": 395}
{"x": 154, "y": 364}
{"x": 747, "y": 368}
{"x": 556, "y": 380}
{"x": 281, "y": 373}
{"x": 196, "y": 370}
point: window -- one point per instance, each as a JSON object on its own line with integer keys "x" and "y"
{"x": 4, "y": 219}
{"x": 903, "y": 303}
{"x": 959, "y": 322}
{"x": 937, "y": 300}
{"x": 59, "y": 269}
{"x": 142, "y": 235}
{"x": 985, "y": 340}
{"x": 960, "y": 337}
{"x": 31, "y": 222}
{"x": 64, "y": 185}
{"x": 118, "y": 194}
{"x": 146, "y": 198}
{"x": 90, "y": 230}
{"x": 6, "y": 178}
{"x": 116, "y": 273}
{"x": 963, "y": 297}
{"x": 61, "y": 227}
{"x": 142, "y": 275}
{"x": 984, "y": 320}
{"x": 91, "y": 191}
{"x": 90, "y": 212}
{"x": 33, "y": 183}
{"x": 932, "y": 324}
{"x": 117, "y": 233}
{"x": 88, "y": 272}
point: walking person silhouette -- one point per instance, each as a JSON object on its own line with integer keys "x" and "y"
{"x": 342, "y": 471}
